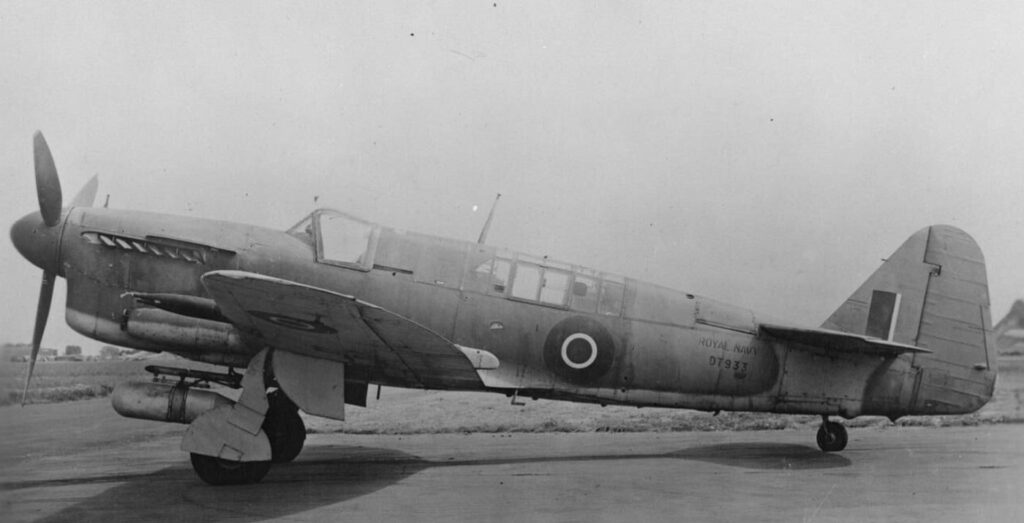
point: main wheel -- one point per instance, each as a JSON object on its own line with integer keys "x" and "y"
{"x": 216, "y": 471}
{"x": 832, "y": 436}
{"x": 284, "y": 428}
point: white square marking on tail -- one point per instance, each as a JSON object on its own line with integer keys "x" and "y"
{"x": 895, "y": 316}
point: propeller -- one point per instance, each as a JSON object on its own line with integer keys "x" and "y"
{"x": 42, "y": 313}
{"x": 87, "y": 195}
{"x": 50, "y": 208}
{"x": 47, "y": 182}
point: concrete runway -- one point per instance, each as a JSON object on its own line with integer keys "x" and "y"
{"x": 81, "y": 462}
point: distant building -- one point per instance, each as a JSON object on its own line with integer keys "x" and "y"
{"x": 109, "y": 352}
{"x": 1009, "y": 332}
{"x": 21, "y": 352}
{"x": 11, "y": 351}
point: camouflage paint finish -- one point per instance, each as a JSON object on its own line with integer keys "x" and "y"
{"x": 633, "y": 344}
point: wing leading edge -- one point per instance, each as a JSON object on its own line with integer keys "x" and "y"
{"x": 837, "y": 341}
{"x": 316, "y": 322}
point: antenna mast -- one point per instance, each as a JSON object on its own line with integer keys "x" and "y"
{"x": 487, "y": 224}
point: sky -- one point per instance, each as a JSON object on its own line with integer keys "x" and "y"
{"x": 765, "y": 154}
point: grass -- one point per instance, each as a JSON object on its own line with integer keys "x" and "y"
{"x": 56, "y": 381}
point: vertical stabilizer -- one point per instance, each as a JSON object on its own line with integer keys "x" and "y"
{"x": 932, "y": 293}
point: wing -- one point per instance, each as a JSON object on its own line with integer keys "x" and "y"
{"x": 838, "y": 341}
{"x": 316, "y": 322}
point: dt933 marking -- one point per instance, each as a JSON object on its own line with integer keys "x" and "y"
{"x": 729, "y": 364}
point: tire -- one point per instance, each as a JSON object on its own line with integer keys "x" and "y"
{"x": 216, "y": 471}
{"x": 285, "y": 430}
{"x": 832, "y": 436}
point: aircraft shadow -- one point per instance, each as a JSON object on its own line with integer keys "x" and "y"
{"x": 765, "y": 456}
{"x": 760, "y": 456}
{"x": 339, "y": 473}
{"x": 176, "y": 494}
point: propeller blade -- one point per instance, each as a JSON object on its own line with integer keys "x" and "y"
{"x": 47, "y": 182}
{"x": 42, "y": 314}
{"x": 87, "y": 195}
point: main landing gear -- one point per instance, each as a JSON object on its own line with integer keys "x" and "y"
{"x": 831, "y": 436}
{"x": 236, "y": 443}
{"x": 284, "y": 429}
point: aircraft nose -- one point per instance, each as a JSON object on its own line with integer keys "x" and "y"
{"x": 37, "y": 242}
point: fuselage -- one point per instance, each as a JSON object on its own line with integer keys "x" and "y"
{"x": 559, "y": 330}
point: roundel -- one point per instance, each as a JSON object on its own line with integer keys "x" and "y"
{"x": 579, "y": 349}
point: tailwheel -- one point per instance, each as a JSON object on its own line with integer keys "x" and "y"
{"x": 284, "y": 428}
{"x": 831, "y": 436}
{"x": 216, "y": 471}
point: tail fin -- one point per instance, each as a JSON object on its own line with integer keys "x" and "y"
{"x": 932, "y": 293}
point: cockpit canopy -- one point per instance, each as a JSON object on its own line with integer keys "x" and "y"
{"x": 339, "y": 238}
{"x": 345, "y": 241}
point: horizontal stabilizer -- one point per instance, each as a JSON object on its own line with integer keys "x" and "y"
{"x": 835, "y": 341}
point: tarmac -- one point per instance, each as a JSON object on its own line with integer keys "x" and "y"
{"x": 82, "y": 462}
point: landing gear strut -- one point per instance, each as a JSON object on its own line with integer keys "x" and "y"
{"x": 831, "y": 436}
